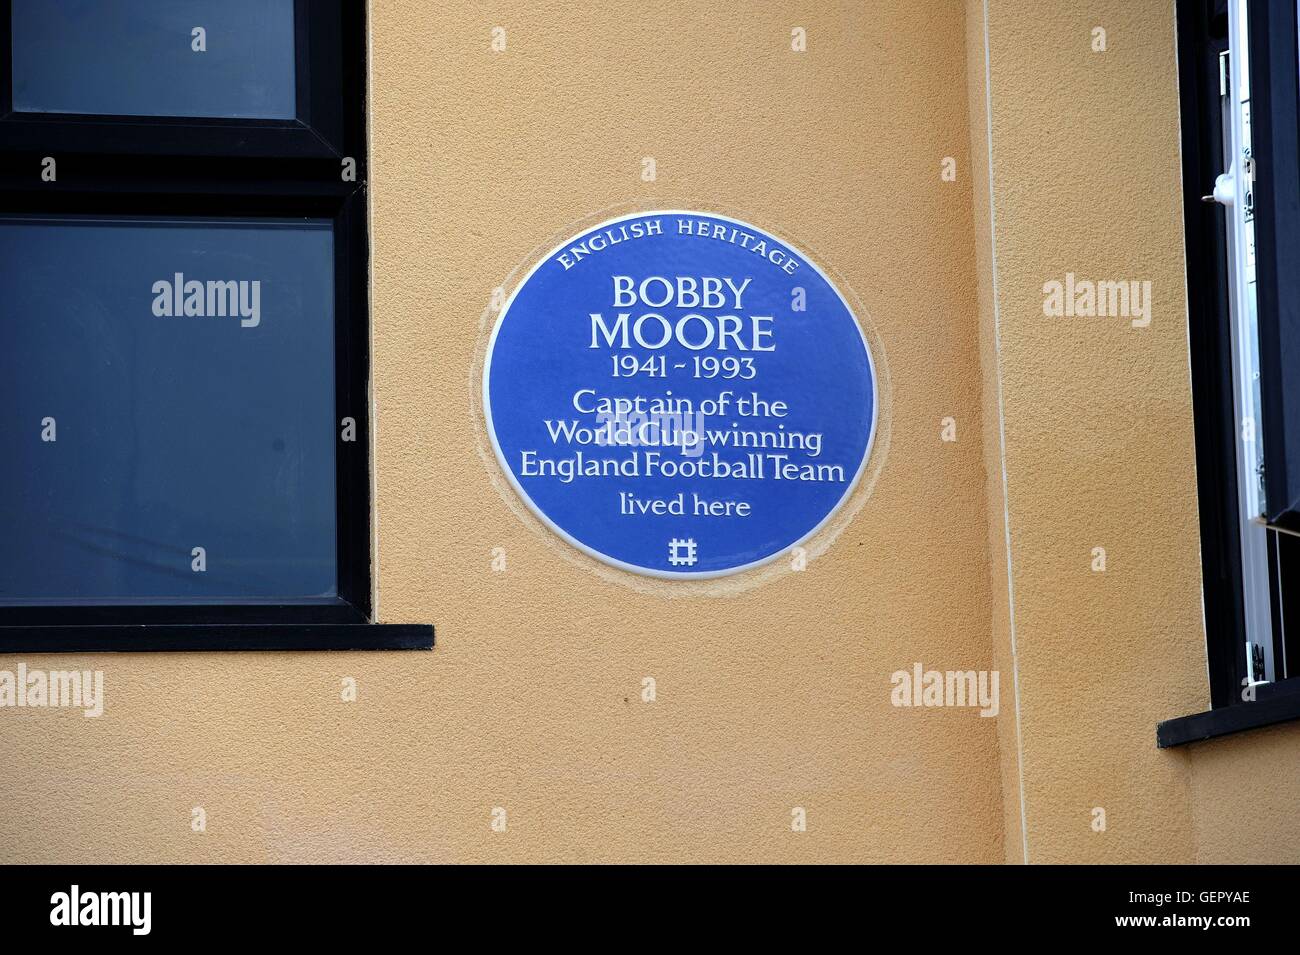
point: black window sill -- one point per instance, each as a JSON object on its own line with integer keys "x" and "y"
{"x": 1274, "y": 703}
{"x": 226, "y": 636}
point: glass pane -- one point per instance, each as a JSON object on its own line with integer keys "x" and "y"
{"x": 143, "y": 57}
{"x": 166, "y": 385}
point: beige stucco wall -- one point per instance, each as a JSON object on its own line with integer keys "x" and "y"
{"x": 1245, "y": 790}
{"x": 1097, "y": 445}
{"x": 1000, "y": 621}
{"x": 1095, "y": 433}
{"x": 775, "y": 693}
{"x": 778, "y": 696}
{"x": 768, "y": 699}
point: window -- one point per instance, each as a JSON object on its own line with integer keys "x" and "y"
{"x": 186, "y": 418}
{"x": 155, "y": 58}
{"x": 183, "y": 329}
{"x": 1239, "y": 72}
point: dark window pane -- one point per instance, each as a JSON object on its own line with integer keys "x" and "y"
{"x": 173, "y": 430}
{"x": 137, "y": 57}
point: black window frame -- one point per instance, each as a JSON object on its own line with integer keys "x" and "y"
{"x": 1273, "y": 46}
{"x": 320, "y": 129}
{"x": 242, "y": 169}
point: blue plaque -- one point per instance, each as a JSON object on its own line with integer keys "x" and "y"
{"x": 680, "y": 394}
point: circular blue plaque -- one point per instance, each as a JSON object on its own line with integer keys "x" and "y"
{"x": 680, "y": 394}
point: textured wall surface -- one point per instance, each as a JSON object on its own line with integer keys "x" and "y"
{"x": 1004, "y": 657}
{"x": 772, "y": 692}
{"x": 1245, "y": 791}
{"x": 1096, "y": 424}
{"x": 1096, "y": 441}
{"x": 772, "y": 697}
